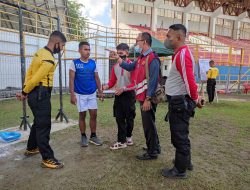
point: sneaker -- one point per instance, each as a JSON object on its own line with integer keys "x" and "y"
{"x": 84, "y": 141}
{"x": 31, "y": 152}
{"x": 118, "y": 145}
{"x": 95, "y": 140}
{"x": 129, "y": 141}
{"x": 173, "y": 173}
{"x": 52, "y": 163}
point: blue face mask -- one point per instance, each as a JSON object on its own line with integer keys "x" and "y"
{"x": 138, "y": 49}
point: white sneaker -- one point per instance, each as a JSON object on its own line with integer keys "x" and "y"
{"x": 118, "y": 145}
{"x": 129, "y": 141}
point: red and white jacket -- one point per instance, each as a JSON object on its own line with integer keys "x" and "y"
{"x": 141, "y": 81}
{"x": 122, "y": 78}
{"x": 181, "y": 80}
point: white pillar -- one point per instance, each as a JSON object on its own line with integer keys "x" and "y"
{"x": 212, "y": 27}
{"x": 236, "y": 30}
{"x": 154, "y": 19}
{"x": 185, "y": 20}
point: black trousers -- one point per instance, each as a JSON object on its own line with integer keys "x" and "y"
{"x": 211, "y": 83}
{"x": 150, "y": 131}
{"x": 181, "y": 108}
{"x": 39, "y": 103}
{"x": 124, "y": 112}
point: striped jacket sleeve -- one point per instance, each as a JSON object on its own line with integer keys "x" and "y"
{"x": 185, "y": 65}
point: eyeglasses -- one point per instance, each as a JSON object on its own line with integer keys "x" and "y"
{"x": 138, "y": 40}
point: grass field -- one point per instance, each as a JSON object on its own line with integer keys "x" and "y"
{"x": 219, "y": 134}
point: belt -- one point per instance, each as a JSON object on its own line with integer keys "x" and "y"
{"x": 184, "y": 95}
{"x": 43, "y": 88}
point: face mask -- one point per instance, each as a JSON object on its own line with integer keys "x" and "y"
{"x": 56, "y": 49}
{"x": 168, "y": 44}
{"x": 123, "y": 57}
{"x": 138, "y": 49}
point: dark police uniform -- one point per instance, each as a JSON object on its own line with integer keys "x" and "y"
{"x": 181, "y": 91}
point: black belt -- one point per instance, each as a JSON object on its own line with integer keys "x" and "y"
{"x": 184, "y": 95}
{"x": 43, "y": 88}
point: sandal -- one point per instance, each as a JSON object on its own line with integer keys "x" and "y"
{"x": 118, "y": 145}
{"x": 129, "y": 141}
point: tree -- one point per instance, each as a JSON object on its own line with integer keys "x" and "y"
{"x": 76, "y": 22}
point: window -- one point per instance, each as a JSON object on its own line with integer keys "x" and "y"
{"x": 227, "y": 23}
{"x": 141, "y": 9}
{"x": 246, "y": 26}
{"x": 131, "y": 8}
{"x": 195, "y": 18}
{"x": 204, "y": 19}
{"x": 219, "y": 21}
{"x": 178, "y": 15}
{"x": 169, "y": 2}
{"x": 136, "y": 8}
{"x": 126, "y": 7}
{"x": 122, "y": 6}
{"x": 148, "y": 10}
{"x": 161, "y": 12}
{"x": 169, "y": 13}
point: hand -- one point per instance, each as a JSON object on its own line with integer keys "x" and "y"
{"x": 200, "y": 102}
{"x": 105, "y": 87}
{"x": 119, "y": 91}
{"x": 113, "y": 55}
{"x": 100, "y": 95}
{"x": 146, "y": 105}
{"x": 73, "y": 99}
{"x": 21, "y": 97}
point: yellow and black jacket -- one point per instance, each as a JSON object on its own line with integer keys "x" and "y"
{"x": 41, "y": 70}
{"x": 212, "y": 73}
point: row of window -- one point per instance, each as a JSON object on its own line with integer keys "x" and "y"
{"x": 224, "y": 22}
{"x": 134, "y": 8}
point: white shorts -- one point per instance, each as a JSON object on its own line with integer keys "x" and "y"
{"x": 86, "y": 102}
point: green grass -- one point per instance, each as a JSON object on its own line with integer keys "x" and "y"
{"x": 219, "y": 136}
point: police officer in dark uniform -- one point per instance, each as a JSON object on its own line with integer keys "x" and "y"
{"x": 37, "y": 88}
{"x": 181, "y": 91}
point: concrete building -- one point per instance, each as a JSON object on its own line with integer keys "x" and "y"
{"x": 230, "y": 18}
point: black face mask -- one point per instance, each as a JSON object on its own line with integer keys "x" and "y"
{"x": 123, "y": 57}
{"x": 56, "y": 49}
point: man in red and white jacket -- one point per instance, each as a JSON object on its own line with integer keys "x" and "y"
{"x": 181, "y": 91}
{"x": 124, "y": 103}
{"x": 145, "y": 90}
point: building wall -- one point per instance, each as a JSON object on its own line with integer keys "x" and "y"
{"x": 198, "y": 27}
{"x": 225, "y": 27}
{"x": 10, "y": 66}
{"x": 135, "y": 18}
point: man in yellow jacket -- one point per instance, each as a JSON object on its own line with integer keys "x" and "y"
{"x": 212, "y": 73}
{"x": 37, "y": 88}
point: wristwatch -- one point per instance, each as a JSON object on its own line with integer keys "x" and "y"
{"x": 148, "y": 98}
